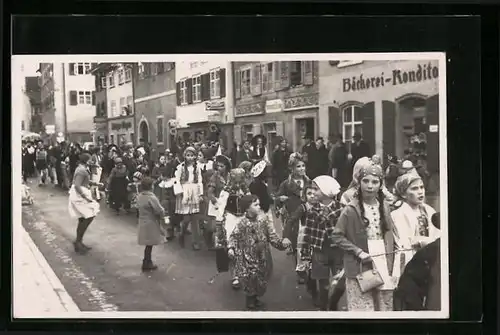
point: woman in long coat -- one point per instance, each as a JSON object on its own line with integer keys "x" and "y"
{"x": 150, "y": 215}
{"x": 118, "y": 181}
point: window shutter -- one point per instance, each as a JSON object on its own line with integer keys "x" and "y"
{"x": 280, "y": 128}
{"x": 255, "y": 80}
{"x": 189, "y": 90}
{"x": 276, "y": 75}
{"x": 71, "y": 69}
{"x": 389, "y": 128}
{"x": 257, "y": 129}
{"x": 237, "y": 134}
{"x": 284, "y": 75}
{"x": 237, "y": 84}
{"x": 432, "y": 138}
{"x": 334, "y": 121}
{"x": 222, "y": 76}
{"x": 178, "y": 93}
{"x": 205, "y": 87}
{"x": 307, "y": 72}
{"x": 73, "y": 98}
{"x": 368, "y": 117}
{"x": 93, "y": 98}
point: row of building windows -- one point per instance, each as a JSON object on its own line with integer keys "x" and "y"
{"x": 258, "y": 78}
{"x": 201, "y": 87}
{"x": 120, "y": 76}
{"x": 145, "y": 70}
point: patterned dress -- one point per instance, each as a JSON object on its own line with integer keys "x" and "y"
{"x": 189, "y": 201}
{"x": 251, "y": 240}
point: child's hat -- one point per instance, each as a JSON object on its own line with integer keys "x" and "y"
{"x": 327, "y": 185}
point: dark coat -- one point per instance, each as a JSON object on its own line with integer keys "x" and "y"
{"x": 419, "y": 287}
{"x": 243, "y": 156}
{"x": 260, "y": 189}
{"x": 359, "y": 151}
{"x": 280, "y": 165}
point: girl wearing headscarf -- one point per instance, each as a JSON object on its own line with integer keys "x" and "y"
{"x": 249, "y": 244}
{"x": 315, "y": 241}
{"x": 230, "y": 205}
{"x": 413, "y": 228}
{"x": 188, "y": 175}
{"x": 81, "y": 204}
{"x": 215, "y": 186}
{"x": 117, "y": 184}
{"x": 364, "y": 231}
{"x": 350, "y": 193}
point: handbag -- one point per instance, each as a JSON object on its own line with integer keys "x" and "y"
{"x": 177, "y": 188}
{"x": 370, "y": 279}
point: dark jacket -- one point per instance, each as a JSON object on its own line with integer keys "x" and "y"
{"x": 260, "y": 189}
{"x": 350, "y": 236}
{"x": 280, "y": 164}
{"x": 419, "y": 287}
{"x": 290, "y": 188}
{"x": 359, "y": 151}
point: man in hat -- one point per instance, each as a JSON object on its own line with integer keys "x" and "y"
{"x": 245, "y": 154}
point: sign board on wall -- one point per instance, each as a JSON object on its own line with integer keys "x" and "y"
{"x": 215, "y": 105}
{"x": 50, "y": 129}
{"x": 433, "y": 128}
{"x": 274, "y": 106}
{"x": 398, "y": 76}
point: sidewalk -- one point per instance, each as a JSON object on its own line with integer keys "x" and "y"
{"x": 37, "y": 292}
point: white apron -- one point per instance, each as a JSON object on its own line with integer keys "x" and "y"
{"x": 79, "y": 207}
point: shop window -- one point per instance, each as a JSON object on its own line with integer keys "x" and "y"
{"x": 197, "y": 89}
{"x": 267, "y": 77}
{"x": 295, "y": 73}
{"x": 245, "y": 82}
{"x": 159, "y": 130}
{"x": 215, "y": 84}
{"x": 352, "y": 123}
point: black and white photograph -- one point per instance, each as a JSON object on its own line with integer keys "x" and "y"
{"x": 230, "y": 186}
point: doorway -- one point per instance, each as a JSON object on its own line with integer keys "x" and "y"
{"x": 412, "y": 128}
{"x": 304, "y": 127}
{"x": 144, "y": 132}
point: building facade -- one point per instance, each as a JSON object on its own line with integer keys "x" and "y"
{"x": 68, "y": 99}
{"x": 119, "y": 102}
{"x": 20, "y": 99}
{"x": 32, "y": 90}
{"x": 276, "y": 99}
{"x": 155, "y": 104}
{"x": 100, "y": 129}
{"x": 204, "y": 101}
{"x": 391, "y": 103}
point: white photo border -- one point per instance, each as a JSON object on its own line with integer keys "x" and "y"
{"x": 17, "y": 60}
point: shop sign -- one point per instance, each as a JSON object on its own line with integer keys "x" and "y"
{"x": 215, "y": 105}
{"x": 121, "y": 125}
{"x": 274, "y": 106}
{"x": 214, "y": 116}
{"x": 433, "y": 128}
{"x": 422, "y": 72}
{"x": 50, "y": 129}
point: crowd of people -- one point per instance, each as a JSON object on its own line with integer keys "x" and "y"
{"x": 353, "y": 227}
